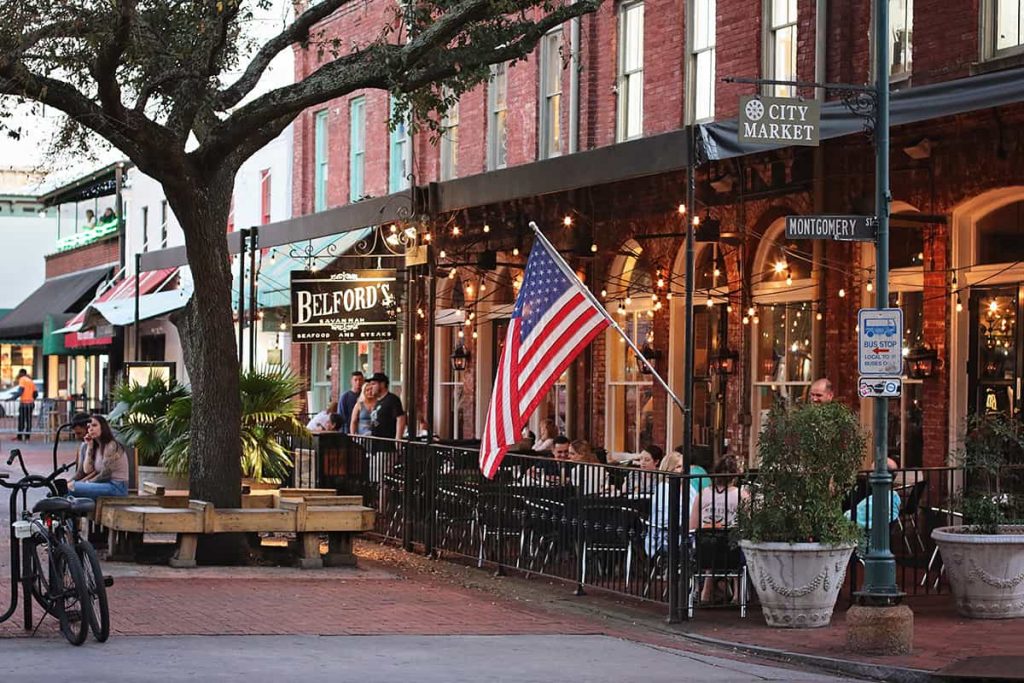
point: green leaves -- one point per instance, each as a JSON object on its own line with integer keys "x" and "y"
{"x": 809, "y": 460}
{"x": 156, "y": 418}
{"x": 993, "y": 445}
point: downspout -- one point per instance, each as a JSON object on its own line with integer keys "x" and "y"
{"x": 818, "y": 191}
{"x": 574, "y": 85}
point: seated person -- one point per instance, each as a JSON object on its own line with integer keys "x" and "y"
{"x": 321, "y": 422}
{"x": 716, "y": 508}
{"x": 643, "y": 481}
{"x": 590, "y": 477}
{"x": 106, "y": 464}
{"x": 79, "y": 429}
{"x": 548, "y": 432}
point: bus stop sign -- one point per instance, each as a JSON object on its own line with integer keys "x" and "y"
{"x": 880, "y": 342}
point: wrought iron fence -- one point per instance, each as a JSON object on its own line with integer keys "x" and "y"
{"x": 47, "y": 414}
{"x": 608, "y": 527}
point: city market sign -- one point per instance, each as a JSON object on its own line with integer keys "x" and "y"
{"x": 841, "y": 228}
{"x": 344, "y": 306}
{"x": 779, "y": 120}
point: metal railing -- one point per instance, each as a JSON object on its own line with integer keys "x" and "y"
{"x": 47, "y": 414}
{"x": 613, "y": 528}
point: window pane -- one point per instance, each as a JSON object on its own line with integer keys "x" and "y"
{"x": 997, "y": 336}
{"x": 1008, "y": 24}
{"x": 705, "y": 92}
{"x": 771, "y": 344}
{"x": 320, "y": 162}
{"x": 1000, "y": 237}
{"x": 357, "y": 142}
{"x": 785, "y": 60}
{"x": 634, "y": 105}
{"x": 798, "y": 347}
{"x": 783, "y": 12}
{"x": 704, "y": 24}
{"x": 901, "y": 16}
{"x": 634, "y": 49}
{"x": 554, "y": 125}
{"x": 501, "y": 141}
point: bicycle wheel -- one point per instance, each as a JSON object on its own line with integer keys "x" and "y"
{"x": 40, "y": 579}
{"x": 68, "y": 593}
{"x": 99, "y": 611}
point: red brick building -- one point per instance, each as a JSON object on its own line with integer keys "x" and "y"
{"x": 611, "y": 96}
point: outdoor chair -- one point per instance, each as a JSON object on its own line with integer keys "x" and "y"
{"x": 541, "y": 531}
{"x": 392, "y": 492}
{"x": 496, "y": 520}
{"x": 609, "y": 531}
{"x": 455, "y": 516}
{"x": 908, "y": 516}
{"x": 717, "y": 558}
{"x": 933, "y": 519}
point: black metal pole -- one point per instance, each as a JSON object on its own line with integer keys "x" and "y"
{"x": 254, "y": 241}
{"x": 244, "y": 234}
{"x": 674, "y": 575}
{"x": 135, "y": 328}
{"x": 409, "y": 381}
{"x": 119, "y": 207}
{"x": 431, "y": 340}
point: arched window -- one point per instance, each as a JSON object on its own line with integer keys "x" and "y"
{"x": 629, "y": 403}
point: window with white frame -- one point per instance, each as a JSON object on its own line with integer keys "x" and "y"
{"x": 704, "y": 16}
{"x": 551, "y": 94}
{"x": 400, "y": 167}
{"x": 630, "y": 392}
{"x": 320, "y": 378}
{"x": 163, "y": 224}
{"x": 901, "y": 35}
{"x": 320, "y": 161}
{"x": 1005, "y": 19}
{"x": 631, "y": 72}
{"x": 145, "y": 228}
{"x": 497, "y": 117}
{"x": 450, "y": 141}
{"x": 357, "y": 149}
{"x": 781, "y": 43}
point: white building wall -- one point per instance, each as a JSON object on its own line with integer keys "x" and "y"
{"x": 25, "y": 241}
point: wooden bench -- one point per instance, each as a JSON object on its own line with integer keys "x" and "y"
{"x": 340, "y": 517}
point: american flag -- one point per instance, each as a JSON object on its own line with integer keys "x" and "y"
{"x": 553, "y": 320}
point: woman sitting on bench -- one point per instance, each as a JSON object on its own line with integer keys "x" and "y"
{"x": 105, "y": 466}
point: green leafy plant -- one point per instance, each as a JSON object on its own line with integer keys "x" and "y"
{"x": 992, "y": 495}
{"x": 809, "y": 457}
{"x": 139, "y": 412}
{"x": 268, "y": 421}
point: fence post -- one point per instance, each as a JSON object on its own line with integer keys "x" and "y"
{"x": 673, "y": 579}
{"x": 578, "y": 521}
{"x": 430, "y": 505}
{"x": 408, "y": 480}
{"x": 500, "y": 571}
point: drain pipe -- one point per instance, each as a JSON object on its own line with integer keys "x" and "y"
{"x": 818, "y": 191}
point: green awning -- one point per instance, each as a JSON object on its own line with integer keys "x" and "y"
{"x": 53, "y": 344}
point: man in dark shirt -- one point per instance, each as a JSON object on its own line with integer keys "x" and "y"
{"x": 387, "y": 419}
{"x": 347, "y": 400}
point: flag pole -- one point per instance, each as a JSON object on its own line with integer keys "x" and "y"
{"x": 571, "y": 274}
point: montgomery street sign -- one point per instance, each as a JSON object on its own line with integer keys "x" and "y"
{"x": 841, "y": 228}
{"x": 344, "y": 306}
{"x": 880, "y": 342}
{"x": 779, "y": 120}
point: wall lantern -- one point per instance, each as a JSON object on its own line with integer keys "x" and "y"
{"x": 460, "y": 358}
{"x": 651, "y": 354}
{"x": 724, "y": 363}
{"x": 922, "y": 362}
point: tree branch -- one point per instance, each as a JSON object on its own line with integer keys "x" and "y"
{"x": 108, "y": 59}
{"x": 296, "y": 32}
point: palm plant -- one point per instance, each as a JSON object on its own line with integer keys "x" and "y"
{"x": 139, "y": 415}
{"x": 268, "y": 422}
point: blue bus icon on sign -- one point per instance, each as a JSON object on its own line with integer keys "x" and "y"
{"x": 884, "y": 328}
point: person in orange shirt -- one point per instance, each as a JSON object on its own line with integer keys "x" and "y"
{"x": 26, "y": 400}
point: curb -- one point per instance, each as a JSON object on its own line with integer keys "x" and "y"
{"x": 879, "y": 672}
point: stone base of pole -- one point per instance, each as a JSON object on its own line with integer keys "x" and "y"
{"x": 880, "y": 630}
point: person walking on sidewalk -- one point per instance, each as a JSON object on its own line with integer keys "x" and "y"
{"x": 26, "y": 401}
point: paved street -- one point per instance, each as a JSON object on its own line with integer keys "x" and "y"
{"x": 426, "y": 659}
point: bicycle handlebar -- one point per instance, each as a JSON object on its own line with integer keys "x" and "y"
{"x": 4, "y": 475}
{"x": 38, "y": 480}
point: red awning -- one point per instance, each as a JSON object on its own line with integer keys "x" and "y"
{"x": 122, "y": 289}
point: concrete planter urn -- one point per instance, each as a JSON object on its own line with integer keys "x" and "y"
{"x": 986, "y": 571}
{"x": 797, "y": 583}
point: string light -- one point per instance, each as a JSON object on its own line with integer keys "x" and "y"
{"x": 451, "y": 274}
{"x": 717, "y": 272}
{"x": 628, "y": 300}
{"x": 604, "y": 293}
{"x": 789, "y": 279}
{"x": 818, "y": 316}
{"x": 871, "y": 287}
{"x": 461, "y": 334}
{"x": 427, "y": 237}
{"x": 750, "y": 311}
{"x": 728, "y": 308}
{"x": 483, "y": 286}
{"x": 842, "y": 292}
{"x": 515, "y": 251}
{"x": 780, "y": 267}
{"x": 593, "y": 248}
{"x": 682, "y": 209}
{"x": 746, "y": 320}
{"x": 696, "y": 221}
{"x": 443, "y": 254}
{"x": 710, "y": 303}
{"x": 567, "y": 221}
{"x": 393, "y": 228}
{"x": 475, "y": 335}
{"x": 959, "y": 304}
{"x": 668, "y": 294}
{"x": 456, "y": 231}
{"x": 757, "y": 319}
{"x": 661, "y": 282}
{"x": 487, "y": 228}
{"x": 469, "y": 289}
{"x": 419, "y": 337}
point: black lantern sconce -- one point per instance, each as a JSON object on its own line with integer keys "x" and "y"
{"x": 460, "y": 358}
{"x": 922, "y": 362}
{"x": 651, "y": 354}
{"x": 724, "y": 363}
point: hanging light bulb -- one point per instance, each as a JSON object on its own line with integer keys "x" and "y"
{"x": 628, "y": 300}
{"x": 443, "y": 254}
{"x": 728, "y": 308}
{"x": 604, "y": 293}
{"x": 451, "y": 274}
{"x": 682, "y": 209}
{"x": 661, "y": 282}
{"x": 593, "y": 248}
{"x": 650, "y": 313}
{"x": 427, "y": 237}
{"x": 789, "y": 278}
{"x": 757, "y": 319}
{"x": 622, "y": 309}
{"x": 456, "y": 231}
{"x": 418, "y": 337}
{"x": 475, "y": 335}
{"x": 780, "y": 267}
{"x": 871, "y": 287}
{"x": 515, "y": 251}
{"x": 483, "y": 286}
{"x": 842, "y": 292}
{"x": 487, "y": 228}
{"x": 668, "y": 294}
{"x": 469, "y": 289}
{"x": 746, "y": 320}
{"x": 717, "y": 272}
{"x": 750, "y": 311}
{"x": 567, "y": 221}
{"x": 818, "y": 316}
{"x": 654, "y": 297}
{"x": 959, "y": 304}
{"x": 710, "y": 302}
{"x": 461, "y": 334}
{"x": 696, "y": 221}
{"x": 657, "y": 306}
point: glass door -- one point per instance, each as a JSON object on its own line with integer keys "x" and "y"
{"x": 994, "y": 368}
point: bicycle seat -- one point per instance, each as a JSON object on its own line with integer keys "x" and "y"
{"x": 82, "y": 506}
{"x": 52, "y": 505}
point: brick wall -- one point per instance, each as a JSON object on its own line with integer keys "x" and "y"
{"x": 92, "y": 255}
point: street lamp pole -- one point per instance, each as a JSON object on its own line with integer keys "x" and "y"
{"x": 880, "y": 565}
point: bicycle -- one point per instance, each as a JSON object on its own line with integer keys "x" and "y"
{"x": 50, "y": 560}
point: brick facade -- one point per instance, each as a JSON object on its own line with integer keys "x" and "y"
{"x": 93, "y": 255}
{"x": 970, "y": 154}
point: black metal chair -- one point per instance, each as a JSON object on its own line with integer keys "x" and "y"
{"x": 541, "y": 531}
{"x": 496, "y": 520}
{"x": 455, "y": 515}
{"x": 609, "y": 530}
{"x": 717, "y": 557}
{"x": 908, "y": 515}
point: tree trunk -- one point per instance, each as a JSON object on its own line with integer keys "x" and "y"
{"x": 208, "y": 341}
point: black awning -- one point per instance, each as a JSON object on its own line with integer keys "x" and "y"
{"x": 57, "y": 296}
{"x": 99, "y": 183}
{"x": 921, "y": 103}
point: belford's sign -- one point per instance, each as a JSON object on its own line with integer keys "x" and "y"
{"x": 343, "y": 306}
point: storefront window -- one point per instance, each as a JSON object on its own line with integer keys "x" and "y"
{"x": 1000, "y": 236}
{"x": 630, "y": 391}
{"x": 786, "y": 260}
{"x": 782, "y": 362}
{"x": 906, "y": 244}
{"x": 906, "y": 427}
{"x": 13, "y": 359}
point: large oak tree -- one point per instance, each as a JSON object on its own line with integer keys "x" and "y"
{"x": 154, "y": 78}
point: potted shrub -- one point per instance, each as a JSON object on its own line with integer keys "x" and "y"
{"x": 984, "y": 558}
{"x": 795, "y": 537}
{"x": 269, "y": 421}
{"x": 138, "y": 418}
